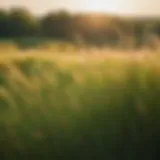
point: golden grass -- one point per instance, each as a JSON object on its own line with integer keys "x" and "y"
{"x": 91, "y": 103}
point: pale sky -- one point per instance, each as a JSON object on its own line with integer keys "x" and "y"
{"x": 136, "y": 7}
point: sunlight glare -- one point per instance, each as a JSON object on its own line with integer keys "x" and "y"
{"x": 102, "y": 5}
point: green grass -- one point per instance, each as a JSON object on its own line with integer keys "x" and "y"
{"x": 74, "y": 110}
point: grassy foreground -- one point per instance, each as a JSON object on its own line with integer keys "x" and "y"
{"x": 82, "y": 108}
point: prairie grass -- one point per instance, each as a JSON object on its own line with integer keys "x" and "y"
{"x": 74, "y": 107}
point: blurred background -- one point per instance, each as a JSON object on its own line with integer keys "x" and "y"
{"x": 116, "y": 23}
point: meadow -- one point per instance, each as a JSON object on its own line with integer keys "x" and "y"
{"x": 76, "y": 104}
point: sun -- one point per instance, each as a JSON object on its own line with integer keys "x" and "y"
{"x": 101, "y": 5}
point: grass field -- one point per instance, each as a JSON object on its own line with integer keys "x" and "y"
{"x": 79, "y": 106}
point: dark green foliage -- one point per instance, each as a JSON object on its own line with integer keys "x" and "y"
{"x": 4, "y": 24}
{"x": 57, "y": 25}
{"x": 18, "y": 23}
{"x": 83, "y": 28}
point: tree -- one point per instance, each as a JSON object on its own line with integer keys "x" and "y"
{"x": 4, "y": 20}
{"x": 57, "y": 25}
{"x": 22, "y": 23}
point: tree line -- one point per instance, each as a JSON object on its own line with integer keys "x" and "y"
{"x": 81, "y": 28}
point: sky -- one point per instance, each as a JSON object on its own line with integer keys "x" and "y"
{"x": 122, "y": 7}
